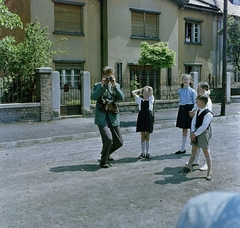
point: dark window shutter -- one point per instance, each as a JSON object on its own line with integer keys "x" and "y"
{"x": 137, "y": 23}
{"x": 68, "y": 17}
{"x": 151, "y": 25}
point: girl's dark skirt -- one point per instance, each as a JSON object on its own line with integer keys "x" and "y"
{"x": 145, "y": 121}
{"x": 183, "y": 118}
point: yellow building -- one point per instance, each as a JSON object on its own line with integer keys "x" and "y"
{"x": 102, "y": 32}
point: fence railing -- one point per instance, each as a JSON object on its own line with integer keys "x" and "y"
{"x": 19, "y": 89}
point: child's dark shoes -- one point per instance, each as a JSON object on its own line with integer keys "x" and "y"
{"x": 142, "y": 155}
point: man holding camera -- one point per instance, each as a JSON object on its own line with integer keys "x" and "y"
{"x": 108, "y": 120}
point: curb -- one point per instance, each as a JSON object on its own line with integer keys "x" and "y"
{"x": 80, "y": 136}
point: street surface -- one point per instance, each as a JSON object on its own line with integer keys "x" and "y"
{"x": 60, "y": 184}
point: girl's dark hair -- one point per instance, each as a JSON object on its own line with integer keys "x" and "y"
{"x": 204, "y": 85}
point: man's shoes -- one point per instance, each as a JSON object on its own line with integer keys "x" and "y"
{"x": 209, "y": 177}
{"x": 204, "y": 168}
{"x": 142, "y": 155}
{"x": 185, "y": 170}
{"x": 194, "y": 164}
{"x": 105, "y": 165}
{"x": 110, "y": 158}
{"x": 148, "y": 156}
{"x": 180, "y": 152}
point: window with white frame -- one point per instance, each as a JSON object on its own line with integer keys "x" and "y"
{"x": 69, "y": 73}
{"x": 68, "y": 17}
{"x": 144, "y": 24}
{"x": 193, "y": 30}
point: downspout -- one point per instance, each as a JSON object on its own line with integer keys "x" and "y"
{"x": 101, "y": 33}
{"x": 104, "y": 32}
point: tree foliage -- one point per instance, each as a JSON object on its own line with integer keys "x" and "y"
{"x": 19, "y": 61}
{"x": 8, "y": 19}
{"x": 157, "y": 55}
{"x": 233, "y": 41}
{"x": 33, "y": 52}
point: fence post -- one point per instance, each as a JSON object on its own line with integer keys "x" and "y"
{"x": 44, "y": 73}
{"x": 228, "y": 87}
{"x": 194, "y": 75}
{"x": 56, "y": 94}
{"x": 85, "y": 93}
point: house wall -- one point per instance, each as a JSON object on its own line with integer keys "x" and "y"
{"x": 126, "y": 50}
{"x": 85, "y": 47}
{"x": 191, "y": 53}
{"x": 117, "y": 44}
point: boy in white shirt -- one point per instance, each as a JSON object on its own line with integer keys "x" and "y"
{"x": 200, "y": 135}
{"x": 203, "y": 89}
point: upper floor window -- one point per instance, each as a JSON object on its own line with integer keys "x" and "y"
{"x": 68, "y": 17}
{"x": 144, "y": 24}
{"x": 193, "y": 30}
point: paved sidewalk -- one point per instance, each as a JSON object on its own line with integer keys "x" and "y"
{"x": 17, "y": 134}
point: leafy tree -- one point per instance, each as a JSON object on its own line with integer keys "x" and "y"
{"x": 8, "y": 19}
{"x": 233, "y": 42}
{"x": 19, "y": 61}
{"x": 157, "y": 55}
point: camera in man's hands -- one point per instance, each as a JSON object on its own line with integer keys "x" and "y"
{"x": 109, "y": 78}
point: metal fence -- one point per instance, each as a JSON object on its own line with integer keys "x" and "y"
{"x": 19, "y": 89}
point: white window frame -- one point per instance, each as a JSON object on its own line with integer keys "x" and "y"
{"x": 193, "y": 31}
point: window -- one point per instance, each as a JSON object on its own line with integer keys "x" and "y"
{"x": 193, "y": 67}
{"x": 69, "y": 72}
{"x": 193, "y": 31}
{"x": 68, "y": 17}
{"x": 119, "y": 73}
{"x": 144, "y": 24}
{"x": 70, "y": 83}
{"x": 169, "y": 77}
{"x": 146, "y": 75}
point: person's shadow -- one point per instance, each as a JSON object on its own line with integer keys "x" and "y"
{"x": 173, "y": 176}
{"x": 75, "y": 168}
{"x": 89, "y": 167}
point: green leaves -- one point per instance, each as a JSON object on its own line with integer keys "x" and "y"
{"x": 233, "y": 41}
{"x": 157, "y": 55}
{"x": 33, "y": 52}
{"x": 8, "y": 19}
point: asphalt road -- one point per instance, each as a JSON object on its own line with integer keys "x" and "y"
{"x": 59, "y": 183}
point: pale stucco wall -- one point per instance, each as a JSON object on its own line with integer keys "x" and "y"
{"x": 126, "y": 50}
{"x": 78, "y": 47}
{"x": 190, "y": 53}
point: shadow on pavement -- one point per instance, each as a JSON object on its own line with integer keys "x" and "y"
{"x": 74, "y": 168}
{"x": 176, "y": 177}
{"x": 128, "y": 124}
{"x": 169, "y": 156}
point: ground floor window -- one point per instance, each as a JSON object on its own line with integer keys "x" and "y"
{"x": 70, "y": 81}
{"x": 146, "y": 75}
{"x": 193, "y": 67}
{"x": 119, "y": 73}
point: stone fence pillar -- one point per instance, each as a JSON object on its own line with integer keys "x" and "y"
{"x": 195, "y": 78}
{"x": 44, "y": 73}
{"x": 228, "y": 87}
{"x": 85, "y": 93}
{"x": 56, "y": 94}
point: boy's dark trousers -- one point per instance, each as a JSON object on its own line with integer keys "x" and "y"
{"x": 111, "y": 139}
